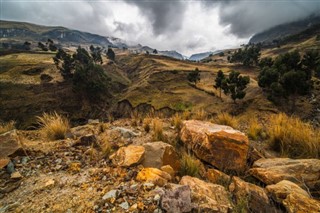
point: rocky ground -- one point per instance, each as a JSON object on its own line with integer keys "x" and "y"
{"x": 119, "y": 167}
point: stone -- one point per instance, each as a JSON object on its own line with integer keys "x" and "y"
{"x": 127, "y": 133}
{"x": 159, "y": 154}
{"x": 257, "y": 198}
{"x": 87, "y": 140}
{"x": 4, "y": 162}
{"x": 299, "y": 203}
{"x": 208, "y": 197}
{"x": 221, "y": 146}
{"x": 111, "y": 194}
{"x": 217, "y": 177}
{"x": 9, "y": 144}
{"x": 82, "y": 130}
{"x": 124, "y": 205}
{"x": 177, "y": 200}
{"x": 128, "y": 156}
{"x": 93, "y": 121}
{"x": 10, "y": 167}
{"x": 300, "y": 171}
{"x": 282, "y": 189}
{"x": 153, "y": 175}
{"x": 16, "y": 175}
{"x": 168, "y": 169}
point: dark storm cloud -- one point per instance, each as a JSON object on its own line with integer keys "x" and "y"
{"x": 247, "y": 17}
{"x": 165, "y": 16}
{"x": 83, "y": 15}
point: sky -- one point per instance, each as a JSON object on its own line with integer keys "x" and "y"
{"x": 188, "y": 26}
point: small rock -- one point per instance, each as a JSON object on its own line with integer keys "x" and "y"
{"x": 177, "y": 200}
{"x": 128, "y": 156}
{"x": 168, "y": 169}
{"x": 25, "y": 160}
{"x": 111, "y": 194}
{"x": 153, "y": 175}
{"x": 10, "y": 167}
{"x": 93, "y": 121}
{"x": 4, "y": 162}
{"x": 134, "y": 207}
{"x": 16, "y": 175}
{"x": 156, "y": 197}
{"x": 124, "y": 205}
{"x": 87, "y": 140}
{"x": 127, "y": 133}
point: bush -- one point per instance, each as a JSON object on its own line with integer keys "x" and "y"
{"x": 293, "y": 138}
{"x": 227, "y": 119}
{"x": 5, "y": 127}
{"x": 189, "y": 165}
{"x": 53, "y": 126}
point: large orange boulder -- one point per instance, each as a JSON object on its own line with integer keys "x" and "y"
{"x": 221, "y": 146}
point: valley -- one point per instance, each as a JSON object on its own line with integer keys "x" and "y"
{"x": 154, "y": 135}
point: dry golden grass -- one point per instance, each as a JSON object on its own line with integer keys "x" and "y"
{"x": 176, "y": 121}
{"x": 293, "y": 138}
{"x": 157, "y": 127}
{"x": 255, "y": 129}
{"x": 186, "y": 115}
{"x": 189, "y": 165}
{"x": 227, "y": 119}
{"x": 147, "y": 124}
{"x": 5, "y": 127}
{"x": 200, "y": 114}
{"x": 53, "y": 126}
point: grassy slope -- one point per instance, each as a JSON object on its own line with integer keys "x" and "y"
{"x": 142, "y": 79}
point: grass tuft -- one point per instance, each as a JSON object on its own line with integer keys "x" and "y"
{"x": 176, "y": 121}
{"x": 255, "y": 129}
{"x": 147, "y": 124}
{"x": 227, "y": 119}
{"x": 157, "y": 130}
{"x": 189, "y": 165}
{"x": 53, "y": 126}
{"x": 200, "y": 114}
{"x": 293, "y": 138}
{"x": 5, "y": 127}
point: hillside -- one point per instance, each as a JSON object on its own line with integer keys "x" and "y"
{"x": 285, "y": 30}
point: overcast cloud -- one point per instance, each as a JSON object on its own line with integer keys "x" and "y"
{"x": 185, "y": 26}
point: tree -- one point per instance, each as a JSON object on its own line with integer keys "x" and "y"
{"x": 286, "y": 77}
{"x": 91, "y": 81}
{"x": 248, "y": 56}
{"x": 221, "y": 54}
{"x": 265, "y": 62}
{"x": 42, "y": 46}
{"x": 110, "y": 54}
{"x": 235, "y": 85}
{"x": 65, "y": 63}
{"x": 88, "y": 78}
{"x": 194, "y": 76}
{"x": 219, "y": 80}
{"x": 155, "y": 51}
{"x": 96, "y": 54}
{"x": 26, "y": 45}
{"x": 310, "y": 62}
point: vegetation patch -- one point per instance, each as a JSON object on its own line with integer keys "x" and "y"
{"x": 53, "y": 126}
{"x": 227, "y": 119}
{"x": 293, "y": 138}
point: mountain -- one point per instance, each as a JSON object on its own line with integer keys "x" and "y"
{"x": 172, "y": 53}
{"x": 21, "y": 31}
{"x": 285, "y": 30}
{"x": 200, "y": 56}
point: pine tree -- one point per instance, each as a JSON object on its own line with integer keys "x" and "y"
{"x": 219, "y": 80}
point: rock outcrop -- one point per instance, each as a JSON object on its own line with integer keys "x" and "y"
{"x": 221, "y": 146}
{"x": 207, "y": 197}
{"x": 256, "y": 197}
{"x": 300, "y": 171}
{"x": 9, "y": 144}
